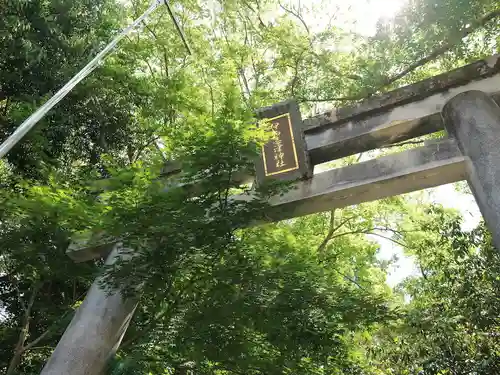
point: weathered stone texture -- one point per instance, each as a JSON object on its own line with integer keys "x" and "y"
{"x": 473, "y": 118}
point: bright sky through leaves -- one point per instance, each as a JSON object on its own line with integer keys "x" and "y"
{"x": 360, "y": 16}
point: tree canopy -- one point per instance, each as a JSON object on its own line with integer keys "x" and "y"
{"x": 219, "y": 296}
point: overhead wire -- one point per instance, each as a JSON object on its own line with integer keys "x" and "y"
{"x": 178, "y": 27}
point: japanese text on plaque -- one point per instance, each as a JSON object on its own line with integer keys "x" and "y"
{"x": 279, "y": 154}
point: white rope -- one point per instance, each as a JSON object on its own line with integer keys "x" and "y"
{"x": 31, "y": 121}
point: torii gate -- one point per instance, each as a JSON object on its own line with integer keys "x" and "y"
{"x": 463, "y": 101}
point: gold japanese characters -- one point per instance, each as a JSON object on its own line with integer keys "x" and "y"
{"x": 284, "y": 156}
{"x": 280, "y": 153}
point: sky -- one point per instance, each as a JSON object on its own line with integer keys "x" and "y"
{"x": 360, "y": 16}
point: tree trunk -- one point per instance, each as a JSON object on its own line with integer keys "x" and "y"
{"x": 15, "y": 361}
{"x": 20, "y": 348}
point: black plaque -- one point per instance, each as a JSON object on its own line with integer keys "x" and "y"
{"x": 280, "y": 154}
{"x": 284, "y": 156}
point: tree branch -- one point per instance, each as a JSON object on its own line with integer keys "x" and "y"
{"x": 331, "y": 99}
{"x": 150, "y": 69}
{"x": 320, "y": 58}
{"x": 210, "y": 90}
{"x": 329, "y": 235}
{"x": 141, "y": 149}
{"x": 445, "y": 48}
{"x": 350, "y": 279}
{"x": 424, "y": 275}
{"x": 165, "y": 58}
{"x": 295, "y": 78}
{"x": 23, "y": 335}
{"x": 241, "y": 73}
{"x": 6, "y": 105}
{"x": 256, "y": 12}
{"x": 343, "y": 222}
{"x": 421, "y": 62}
{"x": 295, "y": 14}
{"x": 372, "y": 232}
{"x": 37, "y": 340}
{"x": 31, "y": 345}
{"x": 389, "y": 239}
{"x": 403, "y": 144}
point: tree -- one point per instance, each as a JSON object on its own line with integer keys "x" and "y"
{"x": 450, "y": 324}
{"x": 40, "y": 285}
{"x": 214, "y": 293}
{"x": 271, "y": 303}
{"x": 44, "y": 43}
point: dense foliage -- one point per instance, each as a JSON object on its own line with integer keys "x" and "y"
{"x": 305, "y": 296}
{"x": 451, "y": 323}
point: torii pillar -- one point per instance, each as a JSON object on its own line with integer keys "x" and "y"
{"x": 473, "y": 119}
{"x": 96, "y": 330}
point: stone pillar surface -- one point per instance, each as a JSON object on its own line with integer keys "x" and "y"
{"x": 473, "y": 118}
{"x": 95, "y": 332}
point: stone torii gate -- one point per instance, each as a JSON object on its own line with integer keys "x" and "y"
{"x": 463, "y": 102}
